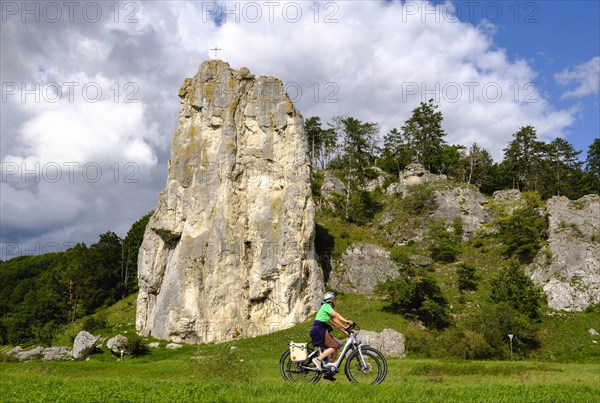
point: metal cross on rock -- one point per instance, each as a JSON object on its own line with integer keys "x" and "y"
{"x": 216, "y": 50}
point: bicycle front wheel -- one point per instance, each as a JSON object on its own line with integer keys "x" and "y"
{"x": 294, "y": 371}
{"x": 369, "y": 367}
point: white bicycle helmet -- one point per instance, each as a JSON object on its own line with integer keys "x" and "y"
{"x": 328, "y": 297}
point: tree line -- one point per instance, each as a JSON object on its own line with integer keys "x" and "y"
{"x": 529, "y": 164}
{"x": 40, "y": 293}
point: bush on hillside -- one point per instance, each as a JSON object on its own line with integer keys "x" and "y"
{"x": 524, "y": 231}
{"x": 514, "y": 287}
{"x": 136, "y": 346}
{"x": 418, "y": 297}
{"x": 444, "y": 245}
{"x": 467, "y": 277}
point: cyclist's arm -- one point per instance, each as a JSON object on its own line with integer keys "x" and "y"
{"x": 335, "y": 322}
{"x": 340, "y": 318}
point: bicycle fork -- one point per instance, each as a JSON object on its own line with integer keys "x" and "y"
{"x": 363, "y": 364}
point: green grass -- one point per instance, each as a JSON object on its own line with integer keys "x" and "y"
{"x": 173, "y": 376}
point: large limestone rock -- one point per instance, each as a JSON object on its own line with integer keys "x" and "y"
{"x": 390, "y": 342}
{"x": 568, "y": 268}
{"x": 462, "y": 202}
{"x": 229, "y": 251}
{"x": 361, "y": 267}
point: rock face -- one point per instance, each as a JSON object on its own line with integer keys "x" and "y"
{"x": 83, "y": 345}
{"x": 568, "y": 268}
{"x": 462, "y": 202}
{"x": 229, "y": 251}
{"x": 413, "y": 174}
{"x": 361, "y": 267}
{"x": 331, "y": 186}
{"x": 390, "y": 342}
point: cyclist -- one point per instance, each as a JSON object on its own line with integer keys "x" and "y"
{"x": 320, "y": 331}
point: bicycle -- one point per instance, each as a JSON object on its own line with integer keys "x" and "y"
{"x": 365, "y": 364}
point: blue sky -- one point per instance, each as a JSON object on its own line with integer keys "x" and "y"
{"x": 552, "y": 36}
{"x": 94, "y": 158}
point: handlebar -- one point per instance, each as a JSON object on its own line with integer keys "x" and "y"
{"x": 350, "y": 327}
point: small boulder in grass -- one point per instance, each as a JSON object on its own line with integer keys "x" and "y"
{"x": 173, "y": 346}
{"x": 118, "y": 344}
{"x": 83, "y": 345}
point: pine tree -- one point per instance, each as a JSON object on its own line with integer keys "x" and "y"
{"x": 396, "y": 153}
{"x": 321, "y": 142}
{"x": 359, "y": 150}
{"x": 563, "y": 168}
{"x": 423, "y": 131}
{"x": 522, "y": 158}
{"x": 592, "y": 162}
{"x": 478, "y": 165}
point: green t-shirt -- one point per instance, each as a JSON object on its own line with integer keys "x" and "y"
{"x": 324, "y": 314}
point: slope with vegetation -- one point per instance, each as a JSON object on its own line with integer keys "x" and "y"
{"x": 455, "y": 295}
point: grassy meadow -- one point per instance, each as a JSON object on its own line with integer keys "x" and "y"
{"x": 248, "y": 370}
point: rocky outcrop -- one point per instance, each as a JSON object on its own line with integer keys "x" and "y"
{"x": 56, "y": 353}
{"x": 83, "y": 345}
{"x": 390, "y": 342}
{"x": 508, "y": 200}
{"x": 464, "y": 203}
{"x": 377, "y": 182}
{"x": 331, "y": 188}
{"x": 46, "y": 354}
{"x": 568, "y": 268}
{"x": 361, "y": 267}
{"x": 229, "y": 251}
{"x": 413, "y": 174}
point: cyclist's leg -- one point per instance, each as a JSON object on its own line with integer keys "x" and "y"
{"x": 332, "y": 346}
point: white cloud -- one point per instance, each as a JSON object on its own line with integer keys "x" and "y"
{"x": 373, "y": 60}
{"x": 83, "y": 132}
{"x": 383, "y": 61}
{"x": 585, "y": 76}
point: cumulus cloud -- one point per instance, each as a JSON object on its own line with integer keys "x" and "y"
{"x": 373, "y": 60}
{"x": 585, "y": 77}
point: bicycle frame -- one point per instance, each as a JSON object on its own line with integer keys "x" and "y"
{"x": 351, "y": 344}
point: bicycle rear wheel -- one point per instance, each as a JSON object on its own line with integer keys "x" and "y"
{"x": 373, "y": 370}
{"x": 294, "y": 371}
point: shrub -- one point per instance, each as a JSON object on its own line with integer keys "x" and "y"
{"x": 420, "y": 200}
{"x": 497, "y": 321}
{"x": 316, "y": 183}
{"x": 466, "y": 344}
{"x": 418, "y": 297}
{"x": 136, "y": 346}
{"x": 512, "y": 286}
{"x": 444, "y": 244}
{"x": 400, "y": 256}
{"x": 467, "y": 277}
{"x": 362, "y": 207}
{"x": 523, "y": 233}
{"x": 93, "y": 323}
